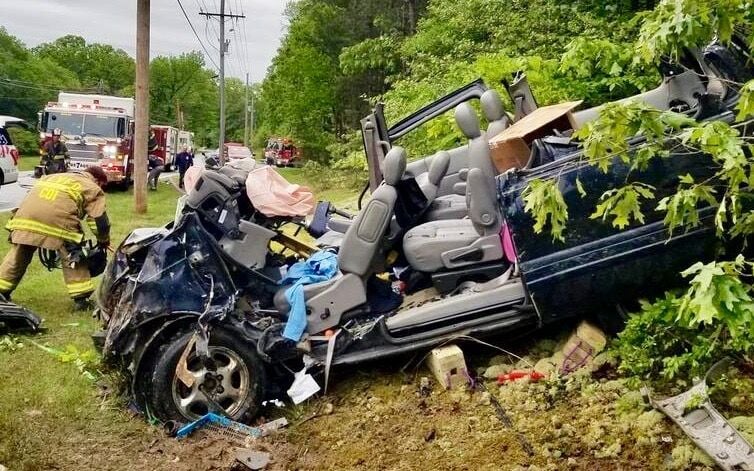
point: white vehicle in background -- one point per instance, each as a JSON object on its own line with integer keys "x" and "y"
{"x": 185, "y": 139}
{"x": 8, "y": 153}
{"x": 236, "y": 150}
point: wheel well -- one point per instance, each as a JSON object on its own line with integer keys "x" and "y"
{"x": 155, "y": 336}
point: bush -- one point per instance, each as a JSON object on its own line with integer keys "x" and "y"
{"x": 25, "y": 141}
{"x": 679, "y": 337}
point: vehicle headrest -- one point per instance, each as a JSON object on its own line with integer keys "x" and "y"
{"x": 211, "y": 187}
{"x": 438, "y": 168}
{"x": 492, "y": 105}
{"x": 237, "y": 174}
{"x": 394, "y": 165}
{"x": 468, "y": 121}
{"x": 223, "y": 180}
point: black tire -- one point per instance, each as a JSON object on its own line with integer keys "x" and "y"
{"x": 165, "y": 388}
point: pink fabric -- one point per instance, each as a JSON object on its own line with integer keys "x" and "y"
{"x": 273, "y": 195}
{"x": 508, "y": 248}
{"x": 191, "y": 177}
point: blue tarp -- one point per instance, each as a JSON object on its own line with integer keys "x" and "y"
{"x": 321, "y": 266}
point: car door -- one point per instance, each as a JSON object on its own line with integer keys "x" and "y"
{"x": 8, "y": 158}
{"x": 378, "y": 138}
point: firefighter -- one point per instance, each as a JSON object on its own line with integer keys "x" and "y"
{"x": 55, "y": 156}
{"x": 155, "y": 163}
{"x": 51, "y": 217}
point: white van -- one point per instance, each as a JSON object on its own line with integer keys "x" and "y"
{"x": 8, "y": 153}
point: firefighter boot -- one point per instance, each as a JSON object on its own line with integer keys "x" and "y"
{"x": 77, "y": 279}
{"x": 83, "y": 304}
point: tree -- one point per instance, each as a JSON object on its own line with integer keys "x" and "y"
{"x": 98, "y": 66}
{"x": 183, "y": 93}
{"x": 680, "y": 335}
{"x": 27, "y": 81}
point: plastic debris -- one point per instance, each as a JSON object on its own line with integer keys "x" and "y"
{"x": 694, "y": 413}
{"x": 252, "y": 459}
{"x": 515, "y": 375}
{"x": 304, "y": 386}
{"x": 230, "y": 429}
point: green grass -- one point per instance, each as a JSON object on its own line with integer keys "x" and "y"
{"x": 343, "y": 198}
{"x": 51, "y": 416}
{"x": 27, "y": 162}
{"x": 48, "y": 408}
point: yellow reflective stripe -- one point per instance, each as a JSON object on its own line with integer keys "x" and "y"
{"x": 92, "y": 225}
{"x": 80, "y": 288}
{"x": 22, "y": 224}
{"x": 72, "y": 192}
{"x": 6, "y": 285}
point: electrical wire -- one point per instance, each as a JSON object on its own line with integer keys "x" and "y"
{"x": 243, "y": 49}
{"x": 32, "y": 86}
{"x": 209, "y": 56}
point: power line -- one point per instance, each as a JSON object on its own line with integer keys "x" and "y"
{"x": 209, "y": 56}
{"x": 31, "y": 86}
{"x": 244, "y": 38}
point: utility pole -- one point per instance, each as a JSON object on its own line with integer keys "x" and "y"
{"x": 223, "y": 49}
{"x": 141, "y": 124}
{"x": 251, "y": 112}
{"x": 246, "y": 115}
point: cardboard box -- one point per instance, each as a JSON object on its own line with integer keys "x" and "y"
{"x": 510, "y": 148}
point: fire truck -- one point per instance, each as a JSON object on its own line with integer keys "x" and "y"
{"x": 97, "y": 129}
{"x": 167, "y": 143}
{"x": 170, "y": 142}
{"x": 281, "y": 152}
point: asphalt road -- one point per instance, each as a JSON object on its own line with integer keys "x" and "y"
{"x": 12, "y": 193}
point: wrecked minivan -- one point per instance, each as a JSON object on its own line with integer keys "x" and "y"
{"x": 203, "y": 312}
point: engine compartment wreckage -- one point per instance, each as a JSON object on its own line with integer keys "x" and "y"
{"x": 200, "y": 312}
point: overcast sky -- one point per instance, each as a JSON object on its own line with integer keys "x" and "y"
{"x": 114, "y": 22}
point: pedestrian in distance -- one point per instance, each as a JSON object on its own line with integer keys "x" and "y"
{"x": 183, "y": 161}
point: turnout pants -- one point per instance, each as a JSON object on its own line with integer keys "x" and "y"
{"x": 154, "y": 176}
{"x": 77, "y": 280}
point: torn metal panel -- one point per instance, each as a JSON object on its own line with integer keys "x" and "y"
{"x": 706, "y": 426}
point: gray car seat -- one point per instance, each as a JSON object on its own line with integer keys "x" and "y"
{"x": 360, "y": 250}
{"x": 494, "y": 111}
{"x": 454, "y": 243}
{"x": 430, "y": 181}
{"x": 454, "y": 206}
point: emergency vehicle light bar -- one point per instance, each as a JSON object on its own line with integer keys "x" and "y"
{"x": 85, "y": 107}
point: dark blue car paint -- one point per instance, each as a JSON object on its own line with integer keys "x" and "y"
{"x": 598, "y": 266}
